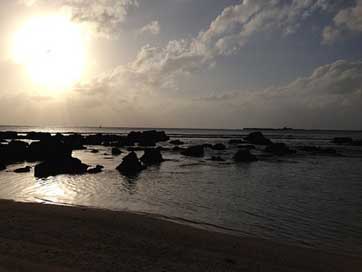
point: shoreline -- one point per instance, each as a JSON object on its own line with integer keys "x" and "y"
{"x": 47, "y": 237}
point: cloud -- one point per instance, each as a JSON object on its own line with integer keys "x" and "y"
{"x": 345, "y": 21}
{"x": 152, "y": 28}
{"x": 155, "y": 68}
{"x": 105, "y": 15}
{"x": 331, "y": 97}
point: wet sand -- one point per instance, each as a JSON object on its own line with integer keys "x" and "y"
{"x": 38, "y": 237}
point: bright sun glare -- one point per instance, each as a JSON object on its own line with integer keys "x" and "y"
{"x": 52, "y": 48}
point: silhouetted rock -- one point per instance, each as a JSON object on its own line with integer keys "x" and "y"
{"x": 194, "y": 151}
{"x": 247, "y": 146}
{"x": 8, "y": 135}
{"x": 257, "y": 138}
{"x": 236, "y": 141}
{"x": 176, "y": 142}
{"x": 25, "y": 169}
{"x": 17, "y": 151}
{"x": 2, "y": 166}
{"x": 136, "y": 148}
{"x": 318, "y": 150}
{"x": 219, "y": 146}
{"x": 66, "y": 165}
{"x": 48, "y": 149}
{"x": 178, "y": 148}
{"x": 207, "y": 145}
{"x": 116, "y": 151}
{"x": 147, "y": 138}
{"x": 152, "y": 156}
{"x": 356, "y": 143}
{"x": 217, "y": 158}
{"x": 244, "y": 155}
{"x": 130, "y": 165}
{"x": 279, "y": 149}
{"x": 38, "y": 136}
{"x": 342, "y": 140}
{"x": 75, "y": 141}
{"x": 95, "y": 170}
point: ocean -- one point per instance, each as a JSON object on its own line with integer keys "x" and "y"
{"x": 312, "y": 200}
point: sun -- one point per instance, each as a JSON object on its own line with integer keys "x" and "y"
{"x": 52, "y": 48}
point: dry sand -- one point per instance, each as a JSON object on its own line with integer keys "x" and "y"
{"x": 38, "y": 237}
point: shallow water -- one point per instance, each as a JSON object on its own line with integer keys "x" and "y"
{"x": 306, "y": 199}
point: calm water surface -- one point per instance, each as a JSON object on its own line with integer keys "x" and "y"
{"x": 306, "y": 199}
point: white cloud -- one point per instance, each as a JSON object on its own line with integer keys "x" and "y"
{"x": 159, "y": 67}
{"x": 152, "y": 28}
{"x": 105, "y": 15}
{"x": 346, "y": 20}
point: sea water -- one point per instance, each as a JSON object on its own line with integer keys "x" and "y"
{"x": 304, "y": 199}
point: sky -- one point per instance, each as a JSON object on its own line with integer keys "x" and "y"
{"x": 181, "y": 63}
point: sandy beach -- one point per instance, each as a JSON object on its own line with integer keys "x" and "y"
{"x": 39, "y": 237}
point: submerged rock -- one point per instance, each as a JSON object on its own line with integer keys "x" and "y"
{"x": 257, "y": 138}
{"x": 130, "y": 164}
{"x": 65, "y": 165}
{"x": 279, "y": 149}
{"x": 95, "y": 170}
{"x": 152, "y": 156}
{"x": 194, "y": 151}
{"x": 218, "y": 146}
{"x": 244, "y": 155}
{"x": 116, "y": 151}
{"x": 25, "y": 169}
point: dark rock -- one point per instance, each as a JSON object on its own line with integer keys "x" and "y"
{"x": 48, "y": 149}
{"x": 136, "y": 148}
{"x": 318, "y": 150}
{"x": 75, "y": 141}
{"x": 147, "y": 138}
{"x": 8, "y": 135}
{"x": 194, "y": 151}
{"x": 152, "y": 156}
{"x": 176, "y": 142}
{"x": 217, "y": 158}
{"x": 236, "y": 141}
{"x": 116, "y": 151}
{"x": 130, "y": 165}
{"x": 244, "y": 155}
{"x": 357, "y": 143}
{"x": 15, "y": 151}
{"x": 342, "y": 140}
{"x": 2, "y": 166}
{"x": 247, "y": 146}
{"x": 94, "y": 151}
{"x": 279, "y": 149}
{"x": 257, "y": 138}
{"x": 65, "y": 165}
{"x": 95, "y": 170}
{"x": 38, "y": 136}
{"x": 207, "y": 145}
{"x": 218, "y": 146}
{"x": 177, "y": 148}
{"x": 25, "y": 169}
